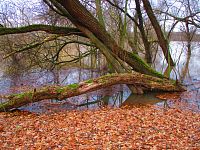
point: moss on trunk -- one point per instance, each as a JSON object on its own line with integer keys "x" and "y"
{"x": 146, "y": 82}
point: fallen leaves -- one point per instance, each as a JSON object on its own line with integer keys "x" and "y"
{"x": 171, "y": 96}
{"x": 118, "y": 128}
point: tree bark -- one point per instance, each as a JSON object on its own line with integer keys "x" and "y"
{"x": 79, "y": 15}
{"x": 99, "y": 12}
{"x": 144, "y": 37}
{"x": 161, "y": 38}
{"x": 146, "y": 82}
{"x": 40, "y": 27}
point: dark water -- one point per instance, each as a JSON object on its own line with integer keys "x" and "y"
{"x": 187, "y": 70}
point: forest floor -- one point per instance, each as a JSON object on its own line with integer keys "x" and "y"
{"x": 108, "y": 128}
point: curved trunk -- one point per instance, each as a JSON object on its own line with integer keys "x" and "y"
{"x": 146, "y": 82}
{"x": 82, "y": 17}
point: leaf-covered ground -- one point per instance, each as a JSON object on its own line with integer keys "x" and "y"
{"x": 135, "y": 128}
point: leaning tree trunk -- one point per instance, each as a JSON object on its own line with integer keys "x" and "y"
{"x": 143, "y": 34}
{"x": 161, "y": 38}
{"x": 79, "y": 15}
{"x": 146, "y": 82}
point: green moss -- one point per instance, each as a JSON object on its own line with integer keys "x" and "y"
{"x": 73, "y": 86}
{"x": 105, "y": 78}
{"x": 143, "y": 64}
{"x": 19, "y": 96}
{"x": 22, "y": 95}
{"x": 138, "y": 59}
{"x": 60, "y": 90}
{"x": 159, "y": 81}
{"x": 109, "y": 74}
{"x": 89, "y": 81}
{"x": 174, "y": 82}
{"x": 29, "y": 95}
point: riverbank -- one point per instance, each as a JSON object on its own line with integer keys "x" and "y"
{"x": 132, "y": 128}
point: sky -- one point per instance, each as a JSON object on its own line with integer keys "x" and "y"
{"x": 21, "y": 3}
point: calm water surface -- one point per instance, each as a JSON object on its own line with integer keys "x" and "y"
{"x": 187, "y": 70}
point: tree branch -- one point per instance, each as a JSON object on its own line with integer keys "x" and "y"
{"x": 31, "y": 46}
{"x": 184, "y": 19}
{"x": 130, "y": 17}
{"x": 39, "y": 27}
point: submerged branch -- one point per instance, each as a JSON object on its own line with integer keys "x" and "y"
{"x": 146, "y": 82}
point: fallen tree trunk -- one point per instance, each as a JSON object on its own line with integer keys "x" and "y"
{"x": 146, "y": 82}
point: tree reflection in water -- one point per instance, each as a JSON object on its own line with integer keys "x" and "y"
{"x": 186, "y": 70}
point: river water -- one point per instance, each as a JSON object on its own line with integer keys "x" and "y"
{"x": 187, "y": 70}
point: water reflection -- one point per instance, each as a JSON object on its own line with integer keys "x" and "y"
{"x": 141, "y": 100}
{"x": 187, "y": 70}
